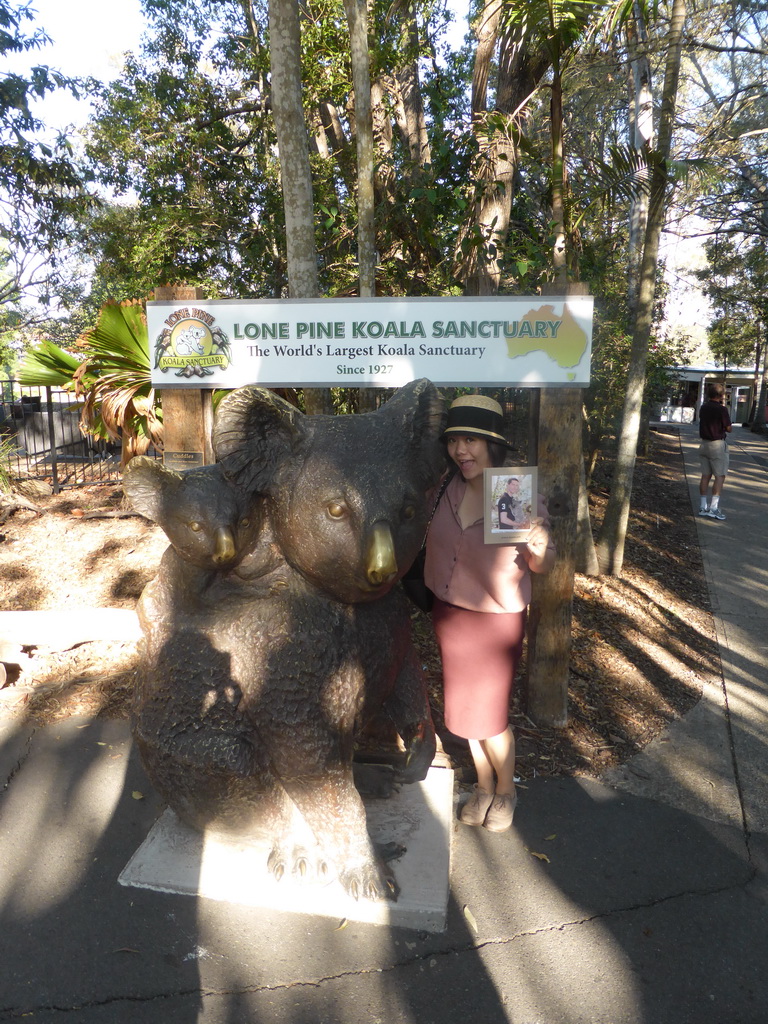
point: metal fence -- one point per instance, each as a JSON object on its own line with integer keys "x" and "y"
{"x": 41, "y": 439}
{"x": 40, "y": 436}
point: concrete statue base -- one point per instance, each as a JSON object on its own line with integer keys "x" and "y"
{"x": 176, "y": 859}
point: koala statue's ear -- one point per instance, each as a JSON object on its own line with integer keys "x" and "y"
{"x": 148, "y": 485}
{"x": 254, "y": 433}
{"x": 417, "y": 413}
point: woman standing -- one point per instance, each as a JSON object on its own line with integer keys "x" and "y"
{"x": 481, "y": 593}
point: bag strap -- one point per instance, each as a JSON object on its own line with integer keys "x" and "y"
{"x": 446, "y": 480}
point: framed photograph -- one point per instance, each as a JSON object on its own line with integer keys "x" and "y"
{"x": 510, "y": 503}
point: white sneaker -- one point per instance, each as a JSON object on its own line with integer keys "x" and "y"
{"x": 703, "y": 511}
{"x": 716, "y": 513}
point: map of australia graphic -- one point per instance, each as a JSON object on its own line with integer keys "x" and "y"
{"x": 566, "y": 348}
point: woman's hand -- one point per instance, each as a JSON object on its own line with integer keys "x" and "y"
{"x": 541, "y": 552}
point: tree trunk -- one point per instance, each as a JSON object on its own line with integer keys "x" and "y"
{"x": 758, "y": 420}
{"x": 641, "y": 126}
{"x": 410, "y": 89}
{"x": 293, "y": 148}
{"x": 585, "y": 554}
{"x": 550, "y": 614}
{"x": 559, "y": 255}
{"x": 487, "y": 33}
{"x": 357, "y": 19}
{"x": 581, "y": 544}
{"x": 755, "y": 381}
{"x": 480, "y": 243}
{"x": 295, "y": 173}
{"x": 612, "y": 537}
{"x": 560, "y": 463}
{"x": 472, "y": 250}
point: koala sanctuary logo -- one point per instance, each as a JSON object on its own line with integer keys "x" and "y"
{"x": 191, "y": 344}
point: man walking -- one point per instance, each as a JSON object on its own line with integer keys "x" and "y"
{"x": 714, "y": 424}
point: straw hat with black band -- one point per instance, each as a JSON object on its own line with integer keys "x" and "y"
{"x": 476, "y": 416}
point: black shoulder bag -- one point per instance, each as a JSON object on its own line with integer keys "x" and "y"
{"x": 413, "y": 580}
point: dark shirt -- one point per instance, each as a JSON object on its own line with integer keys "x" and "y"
{"x": 513, "y": 508}
{"x": 713, "y": 421}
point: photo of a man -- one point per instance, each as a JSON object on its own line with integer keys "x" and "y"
{"x": 509, "y": 501}
{"x": 510, "y": 506}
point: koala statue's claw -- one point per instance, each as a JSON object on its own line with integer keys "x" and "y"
{"x": 276, "y": 864}
{"x": 298, "y": 863}
{"x": 373, "y": 881}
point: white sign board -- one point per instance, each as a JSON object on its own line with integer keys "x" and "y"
{"x": 538, "y": 341}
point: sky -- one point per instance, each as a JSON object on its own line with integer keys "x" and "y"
{"x": 88, "y": 37}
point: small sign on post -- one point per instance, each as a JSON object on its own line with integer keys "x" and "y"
{"x": 183, "y": 460}
{"x": 188, "y": 412}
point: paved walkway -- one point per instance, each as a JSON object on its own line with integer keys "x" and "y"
{"x": 640, "y": 898}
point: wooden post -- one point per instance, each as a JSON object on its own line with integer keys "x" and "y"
{"x": 550, "y": 614}
{"x": 187, "y": 412}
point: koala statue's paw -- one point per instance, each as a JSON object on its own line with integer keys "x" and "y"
{"x": 420, "y": 748}
{"x": 372, "y": 881}
{"x": 374, "y": 780}
{"x": 298, "y": 863}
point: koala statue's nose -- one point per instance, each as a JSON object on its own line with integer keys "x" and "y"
{"x": 225, "y": 546}
{"x": 380, "y": 563}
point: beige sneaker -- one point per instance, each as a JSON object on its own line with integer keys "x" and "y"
{"x": 474, "y": 810}
{"x": 501, "y": 812}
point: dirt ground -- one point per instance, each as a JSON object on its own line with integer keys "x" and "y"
{"x": 642, "y": 643}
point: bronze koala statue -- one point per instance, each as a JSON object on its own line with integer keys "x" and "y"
{"x": 260, "y": 670}
{"x": 208, "y": 522}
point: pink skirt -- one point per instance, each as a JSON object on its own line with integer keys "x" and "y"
{"x": 480, "y": 652}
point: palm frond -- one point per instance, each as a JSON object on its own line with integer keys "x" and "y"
{"x": 111, "y": 374}
{"x": 119, "y": 337}
{"x": 48, "y": 366}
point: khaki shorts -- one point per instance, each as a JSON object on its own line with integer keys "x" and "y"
{"x": 714, "y": 457}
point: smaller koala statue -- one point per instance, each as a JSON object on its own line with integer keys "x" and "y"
{"x": 204, "y": 517}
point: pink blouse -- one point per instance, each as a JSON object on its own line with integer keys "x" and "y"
{"x": 463, "y": 570}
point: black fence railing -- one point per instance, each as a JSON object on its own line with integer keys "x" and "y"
{"x": 40, "y": 436}
{"x": 41, "y": 439}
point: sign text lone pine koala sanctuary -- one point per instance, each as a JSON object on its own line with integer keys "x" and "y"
{"x": 378, "y": 342}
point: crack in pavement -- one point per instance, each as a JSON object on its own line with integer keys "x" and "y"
{"x": 20, "y": 762}
{"x": 471, "y": 946}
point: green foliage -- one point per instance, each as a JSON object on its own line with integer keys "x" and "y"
{"x": 111, "y": 371}
{"x": 559, "y": 25}
{"x": 47, "y": 365}
{"x": 732, "y": 341}
{"x": 185, "y": 143}
{"x": 660, "y": 376}
{"x": 40, "y": 184}
{"x": 736, "y": 282}
{"x": 192, "y": 151}
{"x": 185, "y": 138}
